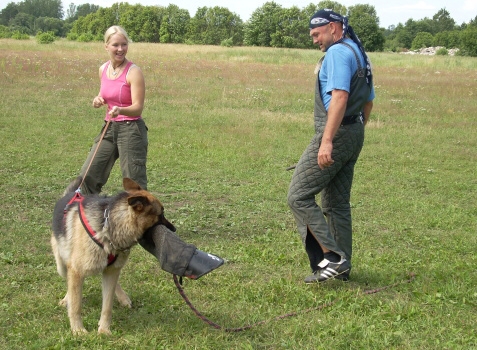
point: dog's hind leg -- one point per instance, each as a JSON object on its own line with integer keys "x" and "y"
{"x": 74, "y": 301}
{"x": 60, "y": 267}
{"x": 110, "y": 281}
{"x": 123, "y": 298}
{"x": 64, "y": 301}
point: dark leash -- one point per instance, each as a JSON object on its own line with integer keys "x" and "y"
{"x": 410, "y": 278}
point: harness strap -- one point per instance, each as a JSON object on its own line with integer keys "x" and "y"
{"x": 78, "y": 198}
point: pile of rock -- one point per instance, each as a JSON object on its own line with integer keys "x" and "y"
{"x": 430, "y": 51}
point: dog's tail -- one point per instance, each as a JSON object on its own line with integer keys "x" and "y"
{"x": 73, "y": 186}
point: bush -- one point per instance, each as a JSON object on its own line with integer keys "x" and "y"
{"x": 45, "y": 37}
{"x": 227, "y": 42}
{"x": 468, "y": 41}
{"x": 421, "y": 40}
{"x": 86, "y": 37}
{"x": 442, "y": 52}
{"x": 393, "y": 45}
{"x": 20, "y": 36}
{"x": 5, "y": 32}
{"x": 72, "y": 36}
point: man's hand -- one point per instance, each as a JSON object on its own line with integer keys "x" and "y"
{"x": 324, "y": 155}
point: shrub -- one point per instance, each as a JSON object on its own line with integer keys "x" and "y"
{"x": 468, "y": 41}
{"x": 72, "y": 36}
{"x": 86, "y": 37}
{"x": 45, "y": 37}
{"x": 20, "y": 36}
{"x": 442, "y": 52}
{"x": 422, "y": 39}
{"x": 227, "y": 42}
{"x": 5, "y": 32}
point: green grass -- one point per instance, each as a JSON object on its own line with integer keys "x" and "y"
{"x": 224, "y": 123}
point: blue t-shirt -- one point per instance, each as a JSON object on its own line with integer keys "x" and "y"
{"x": 337, "y": 70}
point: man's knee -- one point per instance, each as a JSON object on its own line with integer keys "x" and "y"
{"x": 292, "y": 200}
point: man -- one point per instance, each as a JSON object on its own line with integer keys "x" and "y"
{"x": 343, "y": 103}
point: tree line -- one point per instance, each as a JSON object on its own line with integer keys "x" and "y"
{"x": 270, "y": 25}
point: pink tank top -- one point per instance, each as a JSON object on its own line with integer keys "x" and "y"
{"x": 117, "y": 92}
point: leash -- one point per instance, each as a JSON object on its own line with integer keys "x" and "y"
{"x": 94, "y": 153}
{"x": 78, "y": 198}
{"x": 411, "y": 278}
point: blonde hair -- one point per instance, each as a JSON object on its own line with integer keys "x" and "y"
{"x": 115, "y": 30}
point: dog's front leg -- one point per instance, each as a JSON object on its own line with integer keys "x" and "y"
{"x": 110, "y": 280}
{"x": 74, "y": 298}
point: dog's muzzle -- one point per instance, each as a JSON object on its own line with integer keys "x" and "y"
{"x": 175, "y": 256}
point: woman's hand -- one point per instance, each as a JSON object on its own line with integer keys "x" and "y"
{"x": 98, "y": 101}
{"x": 115, "y": 111}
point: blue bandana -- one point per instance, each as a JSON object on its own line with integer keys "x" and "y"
{"x": 326, "y": 16}
{"x": 323, "y": 17}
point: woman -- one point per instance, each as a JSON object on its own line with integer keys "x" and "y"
{"x": 122, "y": 91}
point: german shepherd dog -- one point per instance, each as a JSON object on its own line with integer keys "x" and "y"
{"x": 93, "y": 234}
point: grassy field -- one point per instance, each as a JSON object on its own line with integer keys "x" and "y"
{"x": 224, "y": 123}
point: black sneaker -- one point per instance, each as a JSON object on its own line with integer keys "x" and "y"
{"x": 329, "y": 270}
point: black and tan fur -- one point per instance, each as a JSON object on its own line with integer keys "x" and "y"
{"x": 77, "y": 256}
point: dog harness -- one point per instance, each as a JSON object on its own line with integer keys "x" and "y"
{"x": 78, "y": 198}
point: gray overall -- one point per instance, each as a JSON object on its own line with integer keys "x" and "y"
{"x": 334, "y": 183}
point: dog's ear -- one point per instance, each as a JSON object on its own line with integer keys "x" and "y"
{"x": 138, "y": 202}
{"x": 131, "y": 185}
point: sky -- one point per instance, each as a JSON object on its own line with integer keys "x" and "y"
{"x": 389, "y": 12}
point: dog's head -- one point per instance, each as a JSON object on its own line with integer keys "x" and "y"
{"x": 148, "y": 209}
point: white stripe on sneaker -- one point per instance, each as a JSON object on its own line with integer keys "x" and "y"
{"x": 327, "y": 273}
{"x": 331, "y": 270}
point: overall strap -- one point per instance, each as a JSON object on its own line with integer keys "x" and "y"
{"x": 360, "y": 67}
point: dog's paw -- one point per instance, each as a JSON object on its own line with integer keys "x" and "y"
{"x": 63, "y": 302}
{"x": 122, "y": 297}
{"x": 79, "y": 331}
{"x": 125, "y": 301}
{"x": 104, "y": 331}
